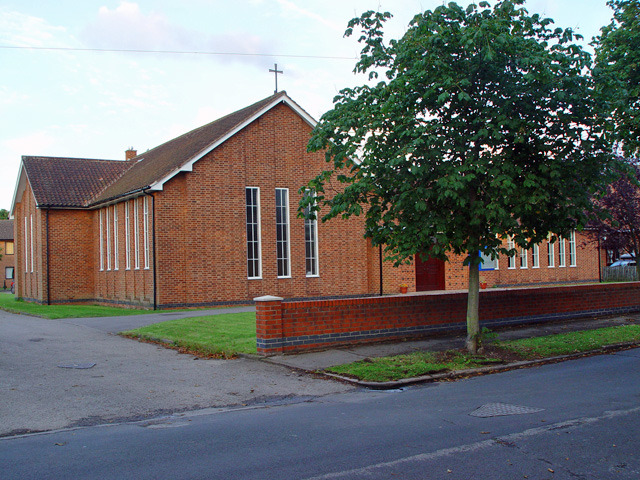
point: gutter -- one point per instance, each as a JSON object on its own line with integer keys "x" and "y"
{"x": 48, "y": 260}
{"x": 153, "y": 243}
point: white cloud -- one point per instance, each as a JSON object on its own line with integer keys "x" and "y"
{"x": 291, "y": 8}
{"x": 20, "y": 30}
{"x": 127, "y": 27}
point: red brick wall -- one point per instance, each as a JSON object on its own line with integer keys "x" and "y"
{"x": 302, "y": 325}
{"x": 586, "y": 269}
{"x": 30, "y": 284}
{"x": 70, "y": 255}
{"x": 201, "y": 222}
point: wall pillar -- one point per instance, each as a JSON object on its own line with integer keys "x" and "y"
{"x": 269, "y": 330}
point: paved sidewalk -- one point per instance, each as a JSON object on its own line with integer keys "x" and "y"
{"x": 336, "y": 356}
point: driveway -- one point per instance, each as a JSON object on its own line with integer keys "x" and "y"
{"x": 130, "y": 380}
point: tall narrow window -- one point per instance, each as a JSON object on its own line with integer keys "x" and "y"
{"x": 127, "y": 237}
{"x": 107, "y": 225}
{"x": 535, "y": 256}
{"x": 550, "y": 253}
{"x": 572, "y": 249}
{"x": 524, "y": 258}
{"x": 146, "y": 232}
{"x": 511, "y": 259}
{"x": 101, "y": 243}
{"x": 115, "y": 237}
{"x": 31, "y": 243}
{"x": 561, "y": 256}
{"x": 311, "y": 242}
{"x": 254, "y": 264}
{"x": 282, "y": 232}
{"x": 9, "y": 248}
{"x": 136, "y": 235}
{"x": 26, "y": 250}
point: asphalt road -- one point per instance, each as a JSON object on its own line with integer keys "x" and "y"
{"x": 587, "y": 427}
{"x": 130, "y": 380}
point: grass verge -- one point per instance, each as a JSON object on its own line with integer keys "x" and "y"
{"x": 500, "y": 352}
{"x": 214, "y": 336}
{"x": 10, "y": 304}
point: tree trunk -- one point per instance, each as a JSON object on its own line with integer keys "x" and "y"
{"x": 473, "y": 300}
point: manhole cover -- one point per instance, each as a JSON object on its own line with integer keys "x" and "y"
{"x": 79, "y": 366}
{"x": 501, "y": 409}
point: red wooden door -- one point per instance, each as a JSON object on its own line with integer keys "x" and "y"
{"x": 429, "y": 274}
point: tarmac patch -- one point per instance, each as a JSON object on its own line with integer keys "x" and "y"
{"x": 502, "y": 409}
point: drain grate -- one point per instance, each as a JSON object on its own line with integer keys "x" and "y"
{"x": 79, "y": 366}
{"x": 501, "y": 409}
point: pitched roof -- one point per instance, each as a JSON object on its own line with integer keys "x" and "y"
{"x": 75, "y": 182}
{"x": 70, "y": 182}
{"x": 6, "y": 229}
{"x": 154, "y": 165}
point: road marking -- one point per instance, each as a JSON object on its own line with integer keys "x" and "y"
{"x": 505, "y": 439}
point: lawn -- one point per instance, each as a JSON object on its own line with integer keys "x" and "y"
{"x": 10, "y": 304}
{"x": 498, "y": 352}
{"x": 217, "y": 336}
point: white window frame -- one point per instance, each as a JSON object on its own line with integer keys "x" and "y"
{"x": 524, "y": 258}
{"x": 115, "y": 237}
{"x": 145, "y": 226}
{"x": 127, "y": 237}
{"x": 101, "y": 241}
{"x": 311, "y": 240}
{"x": 573, "y": 257}
{"x": 136, "y": 234}
{"x": 256, "y": 240}
{"x": 26, "y": 246}
{"x": 31, "y": 223}
{"x": 511, "y": 259}
{"x": 535, "y": 256}
{"x": 283, "y": 231}
{"x": 551, "y": 254}
{"x": 562, "y": 257}
{"x": 108, "y": 229}
{"x": 6, "y": 273}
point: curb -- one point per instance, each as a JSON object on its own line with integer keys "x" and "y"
{"x": 470, "y": 372}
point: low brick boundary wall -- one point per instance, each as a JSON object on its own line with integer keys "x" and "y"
{"x": 295, "y": 326}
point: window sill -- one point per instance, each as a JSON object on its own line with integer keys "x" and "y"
{"x": 254, "y": 278}
{"x": 286, "y": 276}
{"x": 313, "y": 276}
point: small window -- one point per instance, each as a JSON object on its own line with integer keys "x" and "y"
{"x": 115, "y": 237}
{"x": 524, "y": 258}
{"x": 488, "y": 263}
{"x": 145, "y": 226}
{"x": 282, "y": 232}
{"x": 254, "y": 261}
{"x": 9, "y": 248}
{"x": 550, "y": 253}
{"x": 511, "y": 259}
{"x": 311, "y": 241}
{"x": 572, "y": 249}
{"x": 8, "y": 273}
{"x": 535, "y": 256}
{"x": 562, "y": 261}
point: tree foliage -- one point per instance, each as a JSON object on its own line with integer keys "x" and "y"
{"x": 4, "y": 214}
{"x": 617, "y": 71}
{"x": 482, "y": 126}
{"x": 620, "y": 228}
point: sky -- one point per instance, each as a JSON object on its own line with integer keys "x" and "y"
{"x": 91, "y": 103}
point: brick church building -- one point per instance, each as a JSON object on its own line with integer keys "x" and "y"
{"x": 210, "y": 218}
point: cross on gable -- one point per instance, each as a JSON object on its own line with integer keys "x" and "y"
{"x": 275, "y": 71}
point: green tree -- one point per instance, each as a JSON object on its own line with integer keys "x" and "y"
{"x": 617, "y": 72}
{"x": 4, "y": 214}
{"x": 483, "y": 127}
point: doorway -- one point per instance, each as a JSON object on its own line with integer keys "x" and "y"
{"x": 429, "y": 274}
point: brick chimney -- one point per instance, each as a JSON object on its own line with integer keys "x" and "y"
{"x": 130, "y": 153}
